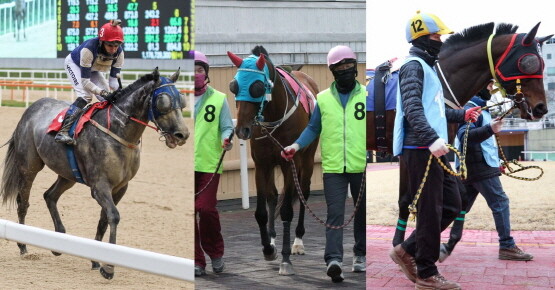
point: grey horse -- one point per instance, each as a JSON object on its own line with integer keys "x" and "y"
{"x": 19, "y": 13}
{"x": 107, "y": 161}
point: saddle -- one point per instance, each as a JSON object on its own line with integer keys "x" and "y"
{"x": 85, "y": 117}
{"x": 306, "y": 98}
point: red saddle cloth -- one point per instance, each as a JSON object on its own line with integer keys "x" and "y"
{"x": 306, "y": 98}
{"x": 56, "y": 124}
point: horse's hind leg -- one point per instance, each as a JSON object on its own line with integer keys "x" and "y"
{"x": 51, "y": 197}
{"x": 22, "y": 200}
{"x": 304, "y": 178}
{"x": 103, "y": 222}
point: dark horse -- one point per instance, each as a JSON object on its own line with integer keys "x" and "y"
{"x": 464, "y": 62}
{"x": 106, "y": 164}
{"x": 284, "y": 119}
{"x": 19, "y": 13}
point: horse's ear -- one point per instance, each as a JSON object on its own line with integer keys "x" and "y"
{"x": 175, "y": 75}
{"x": 261, "y": 62}
{"x": 237, "y": 61}
{"x": 542, "y": 39}
{"x": 156, "y": 74}
{"x": 529, "y": 38}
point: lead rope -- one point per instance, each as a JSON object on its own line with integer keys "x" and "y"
{"x": 506, "y": 163}
{"x": 462, "y": 173}
{"x": 300, "y": 193}
{"x": 217, "y": 167}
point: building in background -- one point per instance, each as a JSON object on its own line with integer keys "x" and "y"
{"x": 297, "y": 33}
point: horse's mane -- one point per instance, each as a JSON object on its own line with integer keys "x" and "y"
{"x": 473, "y": 34}
{"x": 137, "y": 84}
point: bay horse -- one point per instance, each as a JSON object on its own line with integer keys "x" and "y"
{"x": 107, "y": 161}
{"x": 19, "y": 14}
{"x": 463, "y": 60}
{"x": 284, "y": 119}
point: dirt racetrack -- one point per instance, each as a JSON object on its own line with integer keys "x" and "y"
{"x": 156, "y": 215}
{"x": 532, "y": 202}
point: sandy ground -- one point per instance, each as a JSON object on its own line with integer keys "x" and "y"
{"x": 156, "y": 215}
{"x": 532, "y": 202}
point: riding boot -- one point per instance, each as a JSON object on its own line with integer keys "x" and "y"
{"x": 71, "y": 115}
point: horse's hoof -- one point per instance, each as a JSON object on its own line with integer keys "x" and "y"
{"x": 107, "y": 271}
{"x": 271, "y": 256}
{"x": 56, "y": 253}
{"x": 443, "y": 253}
{"x": 286, "y": 269}
{"x": 22, "y": 249}
{"x": 298, "y": 247}
{"x": 95, "y": 265}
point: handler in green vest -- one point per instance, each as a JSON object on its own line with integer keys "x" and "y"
{"x": 213, "y": 127}
{"x": 340, "y": 119}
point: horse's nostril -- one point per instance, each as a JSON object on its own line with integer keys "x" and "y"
{"x": 181, "y": 136}
{"x": 540, "y": 110}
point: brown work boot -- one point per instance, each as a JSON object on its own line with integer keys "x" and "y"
{"x": 405, "y": 261}
{"x": 514, "y": 254}
{"x": 436, "y": 282}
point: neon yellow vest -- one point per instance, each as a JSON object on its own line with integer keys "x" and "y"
{"x": 208, "y": 144}
{"x": 343, "y": 136}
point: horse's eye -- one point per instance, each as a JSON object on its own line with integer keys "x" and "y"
{"x": 529, "y": 64}
{"x": 234, "y": 87}
{"x": 257, "y": 89}
{"x": 163, "y": 103}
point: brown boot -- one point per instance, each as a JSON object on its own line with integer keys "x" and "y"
{"x": 436, "y": 282}
{"x": 405, "y": 261}
{"x": 514, "y": 254}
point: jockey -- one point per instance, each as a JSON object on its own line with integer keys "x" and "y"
{"x": 484, "y": 168}
{"x": 339, "y": 118}
{"x": 213, "y": 128}
{"x": 420, "y": 130}
{"x": 85, "y": 65}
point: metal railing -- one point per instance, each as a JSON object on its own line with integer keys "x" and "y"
{"x": 38, "y": 11}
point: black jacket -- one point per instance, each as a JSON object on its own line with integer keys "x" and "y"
{"x": 476, "y": 165}
{"x": 411, "y": 80}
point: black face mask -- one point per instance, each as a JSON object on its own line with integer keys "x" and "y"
{"x": 345, "y": 79}
{"x": 434, "y": 47}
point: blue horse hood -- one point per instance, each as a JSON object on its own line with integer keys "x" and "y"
{"x": 247, "y": 74}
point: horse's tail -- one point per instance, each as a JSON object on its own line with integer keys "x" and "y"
{"x": 12, "y": 178}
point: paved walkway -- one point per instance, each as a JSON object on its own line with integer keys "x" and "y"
{"x": 245, "y": 264}
{"x": 473, "y": 263}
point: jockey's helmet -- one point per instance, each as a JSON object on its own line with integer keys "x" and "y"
{"x": 111, "y": 31}
{"x": 424, "y": 24}
{"x": 339, "y": 55}
{"x": 202, "y": 60}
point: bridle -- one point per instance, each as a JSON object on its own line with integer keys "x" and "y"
{"x": 153, "y": 112}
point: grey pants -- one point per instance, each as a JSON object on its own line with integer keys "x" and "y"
{"x": 335, "y": 190}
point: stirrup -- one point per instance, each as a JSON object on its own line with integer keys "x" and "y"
{"x": 64, "y": 138}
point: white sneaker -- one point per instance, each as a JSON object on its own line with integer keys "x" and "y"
{"x": 359, "y": 264}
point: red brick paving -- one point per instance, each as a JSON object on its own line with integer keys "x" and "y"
{"x": 473, "y": 264}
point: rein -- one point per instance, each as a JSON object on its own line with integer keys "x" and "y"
{"x": 300, "y": 192}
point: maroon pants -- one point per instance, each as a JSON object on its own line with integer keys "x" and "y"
{"x": 208, "y": 236}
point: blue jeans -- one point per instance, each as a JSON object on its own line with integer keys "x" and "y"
{"x": 492, "y": 191}
{"x": 335, "y": 191}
